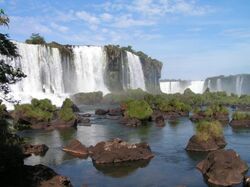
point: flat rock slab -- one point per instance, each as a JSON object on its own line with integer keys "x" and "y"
{"x": 117, "y": 151}
{"x": 223, "y": 168}
{"x": 77, "y": 149}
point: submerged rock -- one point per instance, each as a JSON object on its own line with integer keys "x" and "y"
{"x": 212, "y": 144}
{"x": 101, "y": 112}
{"x": 223, "y": 167}
{"x": 76, "y": 148}
{"x": 131, "y": 122}
{"x": 160, "y": 121}
{"x": 115, "y": 112}
{"x": 116, "y": 151}
{"x": 39, "y": 149}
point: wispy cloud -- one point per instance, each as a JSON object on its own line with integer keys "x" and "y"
{"x": 237, "y": 32}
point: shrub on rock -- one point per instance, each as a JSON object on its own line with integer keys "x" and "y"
{"x": 208, "y": 137}
{"x": 66, "y": 112}
{"x": 138, "y": 109}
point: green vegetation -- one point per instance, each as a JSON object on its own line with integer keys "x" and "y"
{"x": 241, "y": 116}
{"x": 138, "y": 109}
{"x": 66, "y": 113}
{"x": 129, "y": 94}
{"x": 2, "y": 109}
{"x": 8, "y": 74}
{"x": 64, "y": 49}
{"x": 206, "y": 130}
{"x": 35, "y": 38}
{"x": 4, "y": 19}
{"x": 39, "y": 110}
{"x": 212, "y": 110}
{"x": 87, "y": 98}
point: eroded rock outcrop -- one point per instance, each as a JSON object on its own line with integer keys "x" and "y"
{"x": 223, "y": 167}
{"x": 116, "y": 151}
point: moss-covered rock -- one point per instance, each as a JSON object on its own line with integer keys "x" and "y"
{"x": 66, "y": 112}
{"x": 87, "y": 98}
{"x": 138, "y": 109}
{"x": 36, "y": 112}
{"x": 208, "y": 137}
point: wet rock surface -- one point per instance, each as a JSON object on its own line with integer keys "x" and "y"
{"x": 117, "y": 151}
{"x": 101, "y": 112}
{"x": 131, "y": 122}
{"x": 212, "y": 144}
{"x": 223, "y": 167}
{"x": 245, "y": 123}
{"x": 39, "y": 149}
{"x": 160, "y": 121}
{"x": 76, "y": 148}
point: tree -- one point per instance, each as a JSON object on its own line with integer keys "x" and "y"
{"x": 8, "y": 74}
{"x": 4, "y": 20}
{"x": 35, "y": 38}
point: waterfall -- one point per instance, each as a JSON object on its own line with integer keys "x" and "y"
{"x": 135, "y": 71}
{"x": 55, "y": 75}
{"x": 52, "y": 75}
{"x": 90, "y": 65}
{"x": 238, "y": 86}
{"x": 175, "y": 86}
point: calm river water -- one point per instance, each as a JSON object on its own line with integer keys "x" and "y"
{"x": 171, "y": 166}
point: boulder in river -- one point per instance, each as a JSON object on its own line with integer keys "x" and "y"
{"x": 131, "y": 122}
{"x": 160, "y": 121}
{"x": 115, "y": 112}
{"x": 76, "y": 148}
{"x": 212, "y": 144}
{"x": 223, "y": 168}
{"x": 39, "y": 149}
{"x": 101, "y": 112}
{"x": 117, "y": 151}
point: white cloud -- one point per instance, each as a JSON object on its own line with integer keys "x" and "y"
{"x": 60, "y": 28}
{"x": 24, "y": 25}
{"x": 106, "y": 17}
{"x": 87, "y": 17}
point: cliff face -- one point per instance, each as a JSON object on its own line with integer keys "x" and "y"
{"x": 118, "y": 71}
{"x": 237, "y": 84}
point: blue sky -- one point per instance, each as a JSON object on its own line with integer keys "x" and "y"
{"x": 193, "y": 38}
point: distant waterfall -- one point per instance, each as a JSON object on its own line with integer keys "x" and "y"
{"x": 236, "y": 84}
{"x": 135, "y": 71}
{"x": 239, "y": 83}
{"x": 172, "y": 87}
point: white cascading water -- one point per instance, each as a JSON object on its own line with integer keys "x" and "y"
{"x": 135, "y": 71}
{"x": 90, "y": 65}
{"x": 172, "y": 87}
{"x": 45, "y": 77}
{"x": 239, "y": 83}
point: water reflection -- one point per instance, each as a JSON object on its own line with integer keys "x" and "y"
{"x": 121, "y": 169}
{"x": 168, "y": 145}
